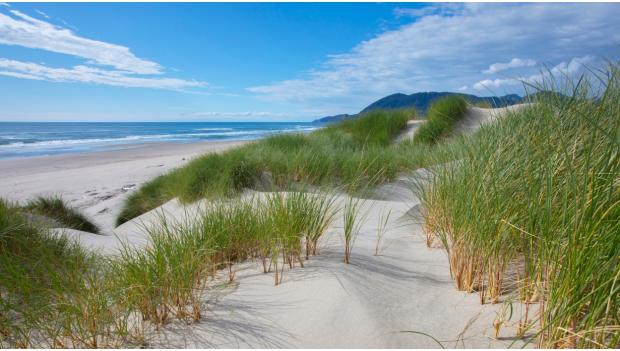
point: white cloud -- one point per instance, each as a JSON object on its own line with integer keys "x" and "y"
{"x": 105, "y": 63}
{"x": 86, "y": 74}
{"x": 42, "y": 13}
{"x": 435, "y": 9}
{"x": 569, "y": 69}
{"x": 438, "y": 51}
{"x": 463, "y": 88}
{"x": 491, "y": 84}
{"x": 514, "y": 63}
{"x": 30, "y": 32}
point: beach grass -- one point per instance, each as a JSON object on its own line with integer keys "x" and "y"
{"x": 53, "y": 293}
{"x": 356, "y": 151}
{"x": 536, "y": 200}
{"x": 353, "y": 219}
{"x": 382, "y": 225}
{"x": 440, "y": 120}
{"x": 58, "y": 210}
{"x": 166, "y": 280}
{"x": 57, "y": 294}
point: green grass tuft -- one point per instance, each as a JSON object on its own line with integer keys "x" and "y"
{"x": 53, "y": 292}
{"x": 442, "y": 116}
{"x": 56, "y": 209}
{"x": 166, "y": 279}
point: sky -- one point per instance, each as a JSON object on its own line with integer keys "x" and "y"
{"x": 281, "y": 62}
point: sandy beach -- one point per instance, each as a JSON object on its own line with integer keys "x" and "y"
{"x": 97, "y": 182}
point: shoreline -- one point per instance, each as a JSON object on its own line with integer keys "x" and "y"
{"x": 98, "y": 183}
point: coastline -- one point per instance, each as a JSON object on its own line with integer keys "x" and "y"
{"x": 98, "y": 182}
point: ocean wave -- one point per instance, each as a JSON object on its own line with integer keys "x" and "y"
{"x": 214, "y": 129}
{"x": 222, "y": 133}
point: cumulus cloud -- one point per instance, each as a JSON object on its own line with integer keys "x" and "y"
{"x": 490, "y": 84}
{"x": 562, "y": 70}
{"x": 514, "y": 63}
{"x": 444, "y": 51}
{"x": 105, "y": 63}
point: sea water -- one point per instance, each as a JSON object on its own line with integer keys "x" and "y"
{"x": 50, "y": 138}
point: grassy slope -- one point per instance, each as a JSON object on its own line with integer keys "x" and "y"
{"x": 442, "y": 116}
{"x": 54, "y": 294}
{"x": 353, "y": 151}
{"x": 541, "y": 188}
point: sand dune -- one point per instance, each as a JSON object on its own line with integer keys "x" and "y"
{"x": 376, "y": 301}
{"x": 384, "y": 301}
{"x": 475, "y": 117}
{"x": 403, "y": 297}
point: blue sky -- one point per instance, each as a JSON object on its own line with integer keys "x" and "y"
{"x": 278, "y": 62}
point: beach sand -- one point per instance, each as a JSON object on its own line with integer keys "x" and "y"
{"x": 98, "y": 182}
{"x": 402, "y": 298}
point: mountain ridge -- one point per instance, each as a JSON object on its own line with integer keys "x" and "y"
{"x": 421, "y": 101}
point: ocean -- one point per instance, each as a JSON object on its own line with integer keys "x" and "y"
{"x": 51, "y": 138}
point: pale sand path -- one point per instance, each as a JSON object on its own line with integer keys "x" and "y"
{"x": 412, "y": 127}
{"x": 97, "y": 183}
{"x": 475, "y": 117}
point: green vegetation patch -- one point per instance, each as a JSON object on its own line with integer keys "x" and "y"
{"x": 53, "y": 293}
{"x": 166, "y": 279}
{"x": 354, "y": 153}
{"x": 536, "y": 201}
{"x": 442, "y": 116}
{"x": 56, "y": 209}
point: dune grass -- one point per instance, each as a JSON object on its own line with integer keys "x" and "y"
{"x": 166, "y": 279}
{"x": 57, "y": 209}
{"x": 382, "y": 225}
{"x": 353, "y": 150}
{"x": 53, "y": 293}
{"x": 56, "y": 294}
{"x": 353, "y": 219}
{"x": 536, "y": 200}
{"x": 442, "y": 115}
